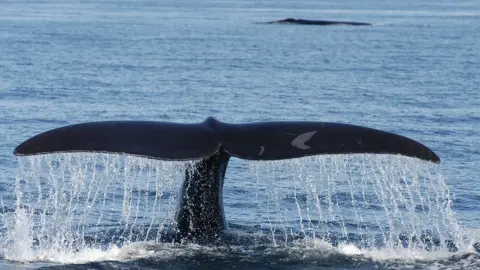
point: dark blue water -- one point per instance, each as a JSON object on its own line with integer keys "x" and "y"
{"x": 413, "y": 72}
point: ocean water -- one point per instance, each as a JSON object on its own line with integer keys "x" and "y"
{"x": 414, "y": 72}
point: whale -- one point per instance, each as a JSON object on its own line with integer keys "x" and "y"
{"x": 200, "y": 216}
{"x": 316, "y": 22}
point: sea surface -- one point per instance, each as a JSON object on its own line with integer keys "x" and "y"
{"x": 414, "y": 71}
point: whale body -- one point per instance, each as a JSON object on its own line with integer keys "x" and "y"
{"x": 316, "y": 22}
{"x": 200, "y": 216}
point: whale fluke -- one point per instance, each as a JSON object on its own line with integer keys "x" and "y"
{"x": 159, "y": 140}
{"x": 200, "y": 216}
{"x": 253, "y": 141}
{"x": 316, "y": 22}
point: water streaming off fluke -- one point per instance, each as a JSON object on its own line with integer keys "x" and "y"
{"x": 68, "y": 203}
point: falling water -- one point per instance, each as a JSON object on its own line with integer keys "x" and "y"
{"x": 70, "y": 202}
{"x": 67, "y": 202}
{"x": 372, "y": 201}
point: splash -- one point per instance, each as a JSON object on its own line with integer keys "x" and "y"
{"x": 373, "y": 201}
{"x": 66, "y": 203}
{"x": 76, "y": 208}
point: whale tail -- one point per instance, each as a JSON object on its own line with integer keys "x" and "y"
{"x": 200, "y": 216}
{"x": 253, "y": 141}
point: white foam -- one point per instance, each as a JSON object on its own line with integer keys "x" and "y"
{"x": 405, "y": 255}
{"x": 85, "y": 255}
{"x": 349, "y": 249}
{"x": 312, "y": 250}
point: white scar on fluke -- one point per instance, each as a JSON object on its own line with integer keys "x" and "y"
{"x": 262, "y": 149}
{"x": 301, "y": 139}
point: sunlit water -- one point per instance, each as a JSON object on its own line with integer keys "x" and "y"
{"x": 414, "y": 72}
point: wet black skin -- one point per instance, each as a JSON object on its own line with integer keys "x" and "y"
{"x": 316, "y": 22}
{"x": 200, "y": 217}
